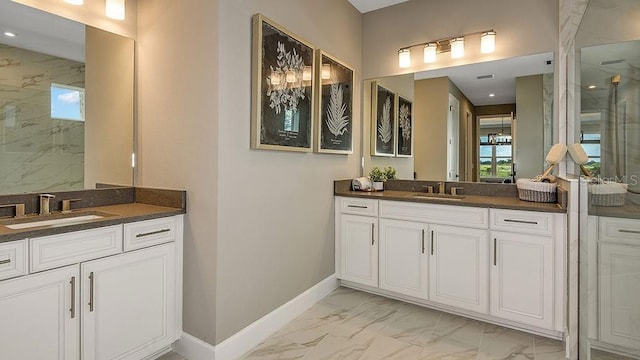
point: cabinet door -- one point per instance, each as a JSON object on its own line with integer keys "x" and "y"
{"x": 359, "y": 249}
{"x": 129, "y": 304}
{"x": 619, "y": 288}
{"x": 458, "y": 269}
{"x": 40, "y": 317}
{"x": 522, "y": 278}
{"x": 403, "y": 257}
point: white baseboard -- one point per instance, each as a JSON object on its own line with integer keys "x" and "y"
{"x": 244, "y": 340}
{"x": 193, "y": 348}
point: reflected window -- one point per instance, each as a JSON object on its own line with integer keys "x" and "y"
{"x": 496, "y": 152}
{"x": 591, "y": 144}
{"x": 67, "y": 102}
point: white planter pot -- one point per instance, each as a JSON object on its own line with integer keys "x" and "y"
{"x": 378, "y": 185}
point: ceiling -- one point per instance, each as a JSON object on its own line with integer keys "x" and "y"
{"x": 369, "y": 5}
{"x": 503, "y": 82}
{"x": 41, "y": 32}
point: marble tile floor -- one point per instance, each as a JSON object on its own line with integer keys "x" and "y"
{"x": 350, "y": 324}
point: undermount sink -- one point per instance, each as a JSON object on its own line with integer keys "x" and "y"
{"x": 54, "y": 220}
{"x": 439, "y": 196}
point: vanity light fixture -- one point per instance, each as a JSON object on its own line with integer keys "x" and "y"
{"x": 326, "y": 71}
{"x": 114, "y": 9}
{"x": 430, "y": 52}
{"x": 457, "y": 48}
{"x": 455, "y": 45}
{"x": 74, "y": 2}
{"x": 488, "y": 42}
{"x": 306, "y": 73}
{"x": 404, "y": 58}
{"x": 10, "y": 34}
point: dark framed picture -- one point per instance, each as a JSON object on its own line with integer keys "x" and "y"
{"x": 283, "y": 66}
{"x": 383, "y": 113}
{"x": 335, "y": 106}
{"x": 404, "y": 130}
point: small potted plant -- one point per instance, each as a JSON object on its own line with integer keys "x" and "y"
{"x": 389, "y": 173}
{"x": 377, "y": 177}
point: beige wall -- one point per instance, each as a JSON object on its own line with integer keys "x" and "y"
{"x": 523, "y": 27}
{"x": 177, "y": 76}
{"x": 529, "y": 128}
{"x": 91, "y": 13}
{"x": 402, "y": 85}
{"x": 430, "y": 114}
{"x": 275, "y": 222}
{"x": 109, "y": 108}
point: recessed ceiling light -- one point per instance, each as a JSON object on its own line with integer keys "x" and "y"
{"x": 492, "y": 95}
{"x": 10, "y": 34}
{"x": 591, "y": 86}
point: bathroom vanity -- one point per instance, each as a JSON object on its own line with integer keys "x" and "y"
{"x": 103, "y": 288}
{"x": 496, "y": 259}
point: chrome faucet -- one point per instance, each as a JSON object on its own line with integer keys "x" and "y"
{"x": 441, "y": 188}
{"x": 44, "y": 203}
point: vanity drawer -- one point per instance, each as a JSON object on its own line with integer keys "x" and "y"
{"x": 13, "y": 259}
{"x": 615, "y": 230}
{"x": 53, "y": 251}
{"x": 436, "y": 214}
{"x": 526, "y": 222}
{"x": 149, "y": 232}
{"x": 357, "y": 206}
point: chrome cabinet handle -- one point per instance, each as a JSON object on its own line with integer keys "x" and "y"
{"x": 73, "y": 297}
{"x": 495, "y": 252}
{"x": 373, "y": 235}
{"x": 629, "y": 231}
{"x": 91, "y": 292}
{"x": 423, "y": 241}
{"x": 431, "y": 242}
{"x": 357, "y": 206}
{"x": 521, "y": 221}
{"x": 152, "y": 233}
{"x": 5, "y": 261}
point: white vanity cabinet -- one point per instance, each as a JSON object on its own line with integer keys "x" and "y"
{"x": 619, "y": 281}
{"x": 503, "y": 266}
{"x": 92, "y": 303}
{"x": 403, "y": 257}
{"x": 458, "y": 267}
{"x": 357, "y": 253}
{"x": 40, "y": 316}
{"x": 128, "y": 304}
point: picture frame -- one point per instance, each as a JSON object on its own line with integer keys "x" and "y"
{"x": 334, "y": 128}
{"x": 404, "y": 128}
{"x": 383, "y": 119}
{"x": 283, "y": 89}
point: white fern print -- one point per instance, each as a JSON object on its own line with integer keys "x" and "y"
{"x": 289, "y": 95}
{"x": 384, "y": 128}
{"x": 337, "y": 121}
{"x": 404, "y": 122}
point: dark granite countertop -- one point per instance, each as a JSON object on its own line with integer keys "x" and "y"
{"x": 405, "y": 190}
{"x": 121, "y": 213}
{"x": 628, "y": 211}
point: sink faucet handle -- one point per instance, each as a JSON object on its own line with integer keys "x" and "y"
{"x": 428, "y": 189}
{"x": 454, "y": 190}
{"x": 19, "y": 209}
{"x": 66, "y": 204}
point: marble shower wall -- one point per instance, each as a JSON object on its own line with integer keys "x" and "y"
{"x": 37, "y": 153}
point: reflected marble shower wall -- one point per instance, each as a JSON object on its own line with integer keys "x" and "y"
{"x": 37, "y": 153}
{"x": 547, "y": 100}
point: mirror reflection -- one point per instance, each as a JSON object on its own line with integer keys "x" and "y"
{"x": 489, "y": 122}
{"x": 66, "y": 103}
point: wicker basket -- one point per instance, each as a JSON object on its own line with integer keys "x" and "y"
{"x": 608, "y": 193}
{"x": 536, "y": 191}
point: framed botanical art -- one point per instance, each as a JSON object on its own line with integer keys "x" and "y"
{"x": 334, "y": 131}
{"x": 283, "y": 88}
{"x": 404, "y": 130}
{"x": 383, "y": 102}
